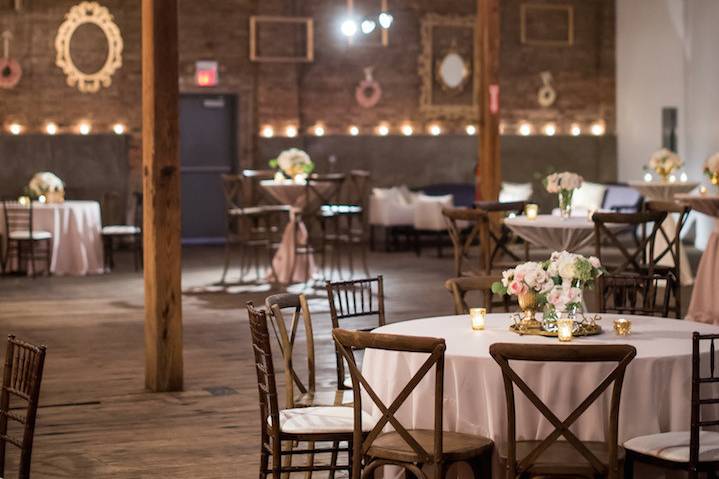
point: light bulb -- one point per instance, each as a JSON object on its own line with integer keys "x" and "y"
{"x": 319, "y": 130}
{"x": 118, "y": 128}
{"x": 385, "y": 20}
{"x": 291, "y": 131}
{"x": 435, "y": 130}
{"x": 597, "y": 129}
{"x": 383, "y": 130}
{"x": 576, "y": 130}
{"x": 471, "y": 130}
{"x": 550, "y": 129}
{"x": 15, "y": 128}
{"x": 349, "y": 28}
{"x": 51, "y": 128}
{"x": 368, "y": 26}
{"x": 85, "y": 128}
{"x": 407, "y": 130}
{"x": 525, "y": 129}
{"x": 354, "y": 131}
{"x": 268, "y": 131}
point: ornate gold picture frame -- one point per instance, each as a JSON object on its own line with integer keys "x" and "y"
{"x": 566, "y": 12}
{"x": 448, "y": 39}
{"x": 256, "y": 56}
{"x": 94, "y": 14}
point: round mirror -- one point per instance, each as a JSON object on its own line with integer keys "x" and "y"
{"x": 452, "y": 71}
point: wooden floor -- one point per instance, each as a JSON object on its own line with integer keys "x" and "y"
{"x": 97, "y": 421}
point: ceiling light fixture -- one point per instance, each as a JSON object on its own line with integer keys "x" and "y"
{"x": 349, "y": 28}
{"x": 385, "y": 20}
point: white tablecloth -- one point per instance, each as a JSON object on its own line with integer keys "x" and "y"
{"x": 554, "y": 232}
{"x": 704, "y": 306}
{"x": 655, "y": 397}
{"x": 76, "y": 235}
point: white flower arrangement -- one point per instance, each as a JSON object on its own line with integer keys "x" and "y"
{"x": 293, "y": 163}
{"x": 565, "y": 181}
{"x": 44, "y": 183}
{"x": 711, "y": 168}
{"x": 525, "y": 278}
{"x": 665, "y": 162}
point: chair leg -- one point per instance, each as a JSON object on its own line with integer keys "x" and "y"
{"x": 629, "y": 466}
{"x": 310, "y": 460}
{"x": 264, "y": 462}
{"x": 333, "y": 458}
{"x": 287, "y": 460}
{"x": 48, "y": 258}
{"x": 226, "y": 266}
{"x": 482, "y": 466}
{"x": 137, "y": 252}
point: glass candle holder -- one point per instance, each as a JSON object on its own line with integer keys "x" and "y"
{"x": 478, "y": 317}
{"x": 565, "y": 329}
{"x": 42, "y": 199}
{"x": 24, "y": 200}
{"x": 623, "y": 327}
{"x": 531, "y": 211}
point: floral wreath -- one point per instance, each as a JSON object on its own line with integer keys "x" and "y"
{"x": 368, "y": 92}
{"x": 10, "y": 73}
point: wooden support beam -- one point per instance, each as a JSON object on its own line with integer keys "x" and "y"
{"x": 161, "y": 185}
{"x": 489, "y": 174}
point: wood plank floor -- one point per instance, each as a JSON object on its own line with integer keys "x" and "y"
{"x": 97, "y": 421}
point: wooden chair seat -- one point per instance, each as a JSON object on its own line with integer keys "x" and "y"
{"x": 455, "y": 446}
{"x": 674, "y": 446}
{"x": 563, "y": 458}
{"x": 320, "y": 420}
{"x": 324, "y": 398}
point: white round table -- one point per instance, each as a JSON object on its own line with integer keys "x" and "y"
{"x": 554, "y": 232}
{"x": 659, "y": 191}
{"x": 704, "y": 305}
{"x": 76, "y": 228}
{"x": 655, "y": 397}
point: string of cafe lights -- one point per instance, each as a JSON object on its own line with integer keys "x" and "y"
{"x": 407, "y": 128}
{"x": 51, "y": 128}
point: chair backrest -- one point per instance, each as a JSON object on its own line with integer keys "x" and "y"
{"x": 622, "y": 198}
{"x": 320, "y": 190}
{"x": 507, "y": 207}
{"x": 499, "y": 235}
{"x": 672, "y": 242}
{"x": 633, "y": 260}
{"x": 296, "y": 308}
{"x": 235, "y": 189}
{"x": 458, "y": 221}
{"x": 18, "y": 217}
{"x": 266, "y": 383}
{"x": 459, "y": 287}
{"x": 699, "y": 377}
{"x": 635, "y": 294}
{"x": 360, "y": 299}
{"x": 349, "y": 341}
{"x": 622, "y": 355}
{"x": 22, "y": 377}
{"x": 254, "y": 194}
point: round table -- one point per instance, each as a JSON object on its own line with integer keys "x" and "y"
{"x": 554, "y": 232}
{"x": 655, "y": 397}
{"x": 659, "y": 191}
{"x": 704, "y": 305}
{"x": 285, "y": 261}
{"x": 76, "y": 228}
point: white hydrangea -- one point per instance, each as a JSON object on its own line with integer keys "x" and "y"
{"x": 712, "y": 164}
{"x": 294, "y": 162}
{"x": 665, "y": 160}
{"x": 45, "y": 182}
{"x": 565, "y": 180}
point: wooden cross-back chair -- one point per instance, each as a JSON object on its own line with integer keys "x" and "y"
{"x": 466, "y": 227}
{"x": 670, "y": 251}
{"x": 697, "y": 450}
{"x": 280, "y": 429}
{"x": 410, "y": 449}
{"x": 360, "y": 299}
{"x": 499, "y": 235}
{"x": 22, "y": 377}
{"x": 459, "y": 287}
{"x": 24, "y": 243}
{"x": 633, "y": 260}
{"x": 635, "y": 294}
{"x": 573, "y": 456}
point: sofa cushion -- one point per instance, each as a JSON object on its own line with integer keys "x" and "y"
{"x": 515, "y": 192}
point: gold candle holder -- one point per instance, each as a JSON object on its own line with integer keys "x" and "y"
{"x": 623, "y": 327}
{"x": 565, "y": 331}
{"x": 531, "y": 210}
{"x": 478, "y": 317}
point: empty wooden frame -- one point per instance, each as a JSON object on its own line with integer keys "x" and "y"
{"x": 547, "y": 25}
{"x": 256, "y": 54}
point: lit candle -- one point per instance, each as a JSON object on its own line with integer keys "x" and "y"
{"x": 702, "y": 190}
{"x": 42, "y": 199}
{"x": 565, "y": 329}
{"x": 623, "y": 327}
{"x": 354, "y": 131}
{"x": 683, "y": 177}
{"x": 647, "y": 177}
{"x": 24, "y": 200}
{"x": 478, "y": 316}
{"x": 531, "y": 210}
{"x": 672, "y": 178}
{"x": 279, "y": 177}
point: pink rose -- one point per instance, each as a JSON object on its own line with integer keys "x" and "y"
{"x": 594, "y": 261}
{"x": 517, "y": 287}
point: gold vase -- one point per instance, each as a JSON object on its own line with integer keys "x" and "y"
{"x": 664, "y": 173}
{"x": 714, "y": 179}
{"x": 529, "y": 303}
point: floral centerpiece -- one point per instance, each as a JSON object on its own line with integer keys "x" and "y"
{"x": 530, "y": 283}
{"x": 294, "y": 164}
{"x": 564, "y": 185}
{"x": 711, "y": 169}
{"x": 665, "y": 162}
{"x": 47, "y": 186}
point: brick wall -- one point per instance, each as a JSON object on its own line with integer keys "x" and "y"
{"x": 323, "y": 91}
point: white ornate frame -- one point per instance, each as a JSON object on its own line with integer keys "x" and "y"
{"x": 427, "y": 69}
{"x": 95, "y": 14}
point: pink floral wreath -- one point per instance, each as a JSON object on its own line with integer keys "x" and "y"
{"x": 368, "y": 92}
{"x": 10, "y": 73}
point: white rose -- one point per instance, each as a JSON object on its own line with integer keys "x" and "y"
{"x": 594, "y": 261}
{"x": 712, "y": 163}
{"x": 567, "y": 270}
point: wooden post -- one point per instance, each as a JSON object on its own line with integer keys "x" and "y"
{"x": 489, "y": 174}
{"x": 161, "y": 185}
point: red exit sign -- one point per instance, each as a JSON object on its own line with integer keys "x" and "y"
{"x": 206, "y": 74}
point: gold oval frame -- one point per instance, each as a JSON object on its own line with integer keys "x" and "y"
{"x": 95, "y": 14}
